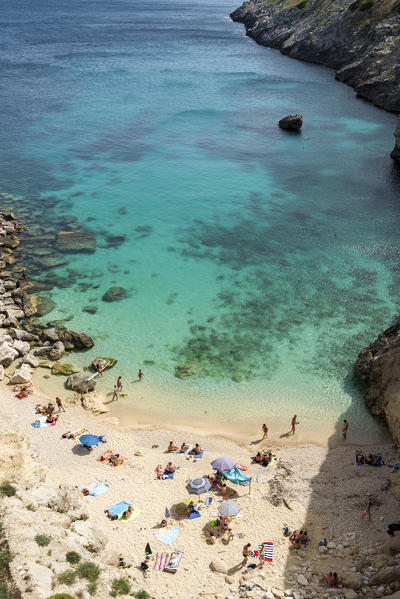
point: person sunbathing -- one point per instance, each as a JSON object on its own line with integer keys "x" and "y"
{"x": 115, "y": 459}
{"x": 170, "y": 468}
{"x": 223, "y": 489}
{"x": 259, "y": 458}
{"x": 196, "y": 450}
{"x": 127, "y": 513}
{"x": 360, "y": 457}
{"x": 163, "y": 523}
{"x": 184, "y": 447}
{"x": 172, "y": 447}
{"x": 50, "y": 419}
{"x": 212, "y": 539}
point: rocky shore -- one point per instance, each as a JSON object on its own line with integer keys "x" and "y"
{"x": 378, "y": 367}
{"x": 360, "y": 39}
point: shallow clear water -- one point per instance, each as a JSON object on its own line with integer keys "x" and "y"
{"x": 251, "y": 253}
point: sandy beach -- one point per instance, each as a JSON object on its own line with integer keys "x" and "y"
{"x": 322, "y": 489}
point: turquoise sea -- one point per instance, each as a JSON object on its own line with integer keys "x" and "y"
{"x": 266, "y": 260}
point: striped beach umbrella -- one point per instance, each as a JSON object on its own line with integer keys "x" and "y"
{"x": 198, "y": 486}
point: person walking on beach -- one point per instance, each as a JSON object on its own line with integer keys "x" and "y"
{"x": 345, "y": 429}
{"x": 115, "y": 394}
{"x": 59, "y": 404}
{"x": 119, "y": 383}
{"x": 265, "y": 431}
{"x": 294, "y": 422}
{"x": 140, "y": 374}
{"x": 246, "y": 553}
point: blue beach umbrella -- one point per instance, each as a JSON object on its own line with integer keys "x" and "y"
{"x": 89, "y": 440}
{"x": 223, "y": 464}
{"x": 198, "y": 486}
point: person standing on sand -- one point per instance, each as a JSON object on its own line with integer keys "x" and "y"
{"x": 345, "y": 429}
{"x": 140, "y": 374}
{"x": 265, "y": 431}
{"x": 59, "y": 404}
{"x": 294, "y": 422}
{"x": 246, "y": 553}
{"x": 119, "y": 383}
{"x": 115, "y": 394}
{"x": 367, "y": 510}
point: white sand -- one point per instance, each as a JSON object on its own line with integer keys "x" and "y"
{"x": 310, "y": 477}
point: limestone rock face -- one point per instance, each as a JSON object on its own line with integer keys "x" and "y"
{"x": 218, "y": 566}
{"x": 292, "y": 122}
{"x": 57, "y": 351}
{"x": 386, "y": 575}
{"x": 7, "y": 354}
{"x": 378, "y": 366}
{"x": 80, "y": 383}
{"x": 92, "y": 539}
{"x": 94, "y": 403}
{"x": 31, "y": 360}
{"x": 74, "y": 242}
{"x": 22, "y": 347}
{"x": 23, "y": 374}
{"x": 396, "y": 151}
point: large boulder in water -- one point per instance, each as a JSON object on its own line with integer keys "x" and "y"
{"x": 103, "y": 363}
{"x": 74, "y": 242}
{"x": 115, "y": 294}
{"x": 80, "y": 382}
{"x": 37, "y": 305}
{"x": 293, "y": 122}
{"x": 396, "y": 150}
{"x": 74, "y": 339}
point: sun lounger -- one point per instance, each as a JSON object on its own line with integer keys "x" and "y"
{"x": 118, "y": 508}
{"x": 174, "y": 561}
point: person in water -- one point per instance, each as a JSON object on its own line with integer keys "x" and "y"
{"x": 119, "y": 383}
{"x": 140, "y": 374}
{"x": 115, "y": 394}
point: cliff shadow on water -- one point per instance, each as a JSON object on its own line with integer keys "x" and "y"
{"x": 359, "y": 550}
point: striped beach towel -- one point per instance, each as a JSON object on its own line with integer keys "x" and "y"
{"x": 161, "y": 561}
{"x": 267, "y": 549}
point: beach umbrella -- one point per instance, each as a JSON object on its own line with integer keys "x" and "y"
{"x": 229, "y": 509}
{"x": 198, "y": 486}
{"x": 223, "y": 464}
{"x": 89, "y": 440}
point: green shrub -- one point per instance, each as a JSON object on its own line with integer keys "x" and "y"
{"x": 88, "y": 570}
{"x": 7, "y": 490}
{"x": 367, "y": 4}
{"x": 141, "y": 595}
{"x": 30, "y": 507}
{"x": 4, "y": 592}
{"x": 42, "y": 540}
{"x": 5, "y": 558}
{"x": 60, "y": 596}
{"x": 67, "y": 577}
{"x": 92, "y": 588}
{"x": 73, "y": 557}
{"x": 302, "y": 4}
{"x": 120, "y": 586}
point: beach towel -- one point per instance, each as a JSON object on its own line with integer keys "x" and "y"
{"x": 174, "y": 561}
{"x": 193, "y": 514}
{"x": 98, "y": 490}
{"x": 40, "y": 422}
{"x": 199, "y": 455}
{"x": 170, "y": 476}
{"x": 186, "y": 451}
{"x": 267, "y": 549}
{"x": 159, "y": 471}
{"x": 136, "y": 512}
{"x": 161, "y": 561}
{"x": 167, "y": 535}
{"x": 90, "y": 487}
{"x": 117, "y": 508}
{"x": 103, "y": 458}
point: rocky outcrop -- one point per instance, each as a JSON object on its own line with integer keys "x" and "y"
{"x": 103, "y": 363}
{"x": 80, "y": 382}
{"x": 23, "y": 374}
{"x": 292, "y": 122}
{"x": 74, "y": 339}
{"x": 94, "y": 402}
{"x": 74, "y": 242}
{"x": 396, "y": 150}
{"x": 360, "y": 39}
{"x": 378, "y": 367}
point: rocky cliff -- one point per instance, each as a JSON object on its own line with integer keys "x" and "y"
{"x": 378, "y": 366}
{"x": 358, "y": 38}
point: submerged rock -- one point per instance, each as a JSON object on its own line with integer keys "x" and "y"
{"x": 51, "y": 261}
{"x": 80, "y": 382}
{"x": 396, "y": 150}
{"x": 37, "y": 305}
{"x": 293, "y": 122}
{"x": 188, "y": 370}
{"x": 65, "y": 369}
{"x": 57, "y": 351}
{"x": 115, "y": 294}
{"x": 89, "y": 309}
{"x": 74, "y": 242}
